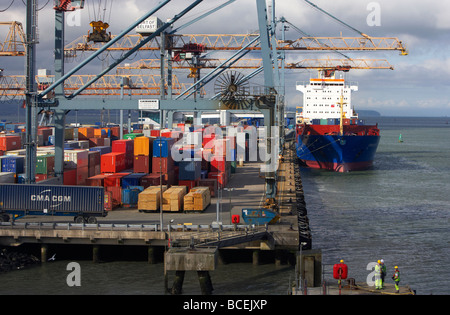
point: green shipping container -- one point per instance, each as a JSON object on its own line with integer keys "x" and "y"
{"x": 324, "y": 121}
{"x": 45, "y": 164}
{"x": 131, "y": 136}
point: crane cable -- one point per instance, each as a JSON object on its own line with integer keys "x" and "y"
{"x": 335, "y": 18}
{"x": 8, "y": 6}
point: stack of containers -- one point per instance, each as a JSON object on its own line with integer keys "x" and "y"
{"x": 45, "y": 132}
{"x": 219, "y": 165}
{"x": 45, "y": 166}
{"x": 78, "y": 159}
{"x": 154, "y": 179}
{"x": 189, "y": 173}
{"x": 130, "y": 196}
{"x": 143, "y": 148}
{"x": 93, "y": 163}
{"x": 162, "y": 161}
{"x": 127, "y": 147}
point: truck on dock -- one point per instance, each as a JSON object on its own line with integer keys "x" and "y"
{"x": 84, "y": 203}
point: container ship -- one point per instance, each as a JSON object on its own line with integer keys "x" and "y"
{"x": 329, "y": 134}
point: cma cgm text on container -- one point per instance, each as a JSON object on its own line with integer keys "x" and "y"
{"x": 211, "y": 143}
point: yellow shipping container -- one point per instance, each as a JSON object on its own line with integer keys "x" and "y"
{"x": 141, "y": 146}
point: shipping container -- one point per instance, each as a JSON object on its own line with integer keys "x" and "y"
{"x": 113, "y": 162}
{"x": 116, "y": 195}
{"x": 76, "y": 158}
{"x": 132, "y": 179}
{"x": 162, "y": 165}
{"x": 189, "y": 170}
{"x": 143, "y": 146}
{"x": 10, "y": 142}
{"x": 45, "y": 164}
{"x": 11, "y": 163}
{"x": 130, "y": 196}
{"x": 142, "y": 164}
{"x": 188, "y": 183}
{"x": 114, "y": 180}
{"x": 84, "y": 133}
{"x": 127, "y": 147}
{"x": 101, "y": 149}
{"x": 84, "y": 203}
{"x": 70, "y": 176}
{"x": 97, "y": 180}
{"x": 162, "y": 147}
{"x": 154, "y": 179}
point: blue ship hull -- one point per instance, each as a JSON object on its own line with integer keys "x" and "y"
{"x": 337, "y": 153}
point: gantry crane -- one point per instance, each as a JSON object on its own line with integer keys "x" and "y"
{"x": 232, "y": 42}
{"x": 13, "y": 86}
{"x": 14, "y": 43}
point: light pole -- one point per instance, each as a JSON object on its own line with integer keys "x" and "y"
{"x": 229, "y": 203}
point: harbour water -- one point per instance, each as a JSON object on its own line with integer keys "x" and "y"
{"x": 398, "y": 211}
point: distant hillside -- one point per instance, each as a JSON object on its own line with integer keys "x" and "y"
{"x": 368, "y": 113}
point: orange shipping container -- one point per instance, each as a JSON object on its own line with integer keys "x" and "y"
{"x": 142, "y": 146}
{"x": 84, "y": 133}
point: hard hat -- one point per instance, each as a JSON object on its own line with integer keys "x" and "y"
{"x": 379, "y": 261}
{"x": 382, "y": 261}
{"x": 396, "y": 267}
{"x": 341, "y": 261}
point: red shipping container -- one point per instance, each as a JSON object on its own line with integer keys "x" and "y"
{"x": 189, "y": 183}
{"x": 126, "y": 146}
{"x": 154, "y": 133}
{"x": 8, "y": 143}
{"x": 141, "y": 164}
{"x": 113, "y": 162}
{"x": 219, "y": 165}
{"x": 116, "y": 195}
{"x": 114, "y": 180}
{"x": 70, "y": 176}
{"x": 162, "y": 165}
{"x": 97, "y": 180}
{"x": 108, "y": 201}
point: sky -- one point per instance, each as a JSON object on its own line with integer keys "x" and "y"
{"x": 419, "y": 85}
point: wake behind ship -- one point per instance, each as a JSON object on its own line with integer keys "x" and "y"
{"x": 329, "y": 134}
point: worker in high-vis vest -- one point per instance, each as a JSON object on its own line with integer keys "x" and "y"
{"x": 396, "y": 278}
{"x": 378, "y": 284}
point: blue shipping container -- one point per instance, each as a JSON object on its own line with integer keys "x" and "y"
{"x": 130, "y": 195}
{"x": 132, "y": 179}
{"x": 189, "y": 170}
{"x": 163, "y": 145}
{"x": 101, "y": 149}
{"x": 13, "y": 164}
{"x": 52, "y": 200}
